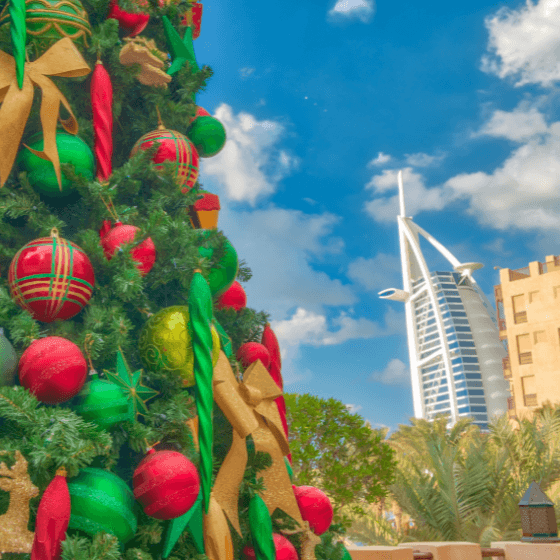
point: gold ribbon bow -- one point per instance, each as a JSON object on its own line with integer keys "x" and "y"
{"x": 62, "y": 59}
{"x": 250, "y": 408}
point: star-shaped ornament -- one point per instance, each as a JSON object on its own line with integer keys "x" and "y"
{"x": 132, "y": 385}
{"x": 182, "y": 50}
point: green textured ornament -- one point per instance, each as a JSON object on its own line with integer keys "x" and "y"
{"x": 165, "y": 344}
{"x": 48, "y": 21}
{"x": 40, "y": 172}
{"x": 8, "y": 361}
{"x": 222, "y": 275}
{"x": 101, "y": 501}
{"x": 103, "y": 403}
{"x": 208, "y": 136}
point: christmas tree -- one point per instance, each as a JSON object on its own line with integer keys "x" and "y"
{"x": 141, "y": 407}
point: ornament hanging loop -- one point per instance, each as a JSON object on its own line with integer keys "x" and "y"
{"x": 54, "y": 233}
{"x": 161, "y": 126}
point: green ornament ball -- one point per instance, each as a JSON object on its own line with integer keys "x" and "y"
{"x": 208, "y": 136}
{"x": 40, "y": 172}
{"x": 101, "y": 501}
{"x": 48, "y": 21}
{"x": 165, "y": 344}
{"x": 103, "y": 403}
{"x": 222, "y": 275}
{"x": 8, "y": 361}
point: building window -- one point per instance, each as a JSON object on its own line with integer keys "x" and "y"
{"x": 524, "y": 349}
{"x": 519, "y": 309}
{"x": 534, "y": 296}
{"x": 529, "y": 390}
{"x": 539, "y": 336}
{"x": 556, "y": 291}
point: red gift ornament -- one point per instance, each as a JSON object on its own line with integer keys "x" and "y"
{"x": 51, "y": 278}
{"x": 53, "y": 369}
{"x": 315, "y": 507}
{"x": 200, "y": 112}
{"x": 174, "y": 147}
{"x": 53, "y": 517}
{"x": 285, "y": 550}
{"x": 166, "y": 483}
{"x": 113, "y": 237}
{"x": 233, "y": 298}
{"x": 131, "y": 24}
{"x": 193, "y": 19}
{"x": 251, "y": 352}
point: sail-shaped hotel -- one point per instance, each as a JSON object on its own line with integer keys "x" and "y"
{"x": 453, "y": 341}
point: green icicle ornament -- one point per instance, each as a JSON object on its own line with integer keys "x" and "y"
{"x": 200, "y": 312}
{"x": 260, "y": 525}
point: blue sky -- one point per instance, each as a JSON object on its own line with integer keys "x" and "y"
{"x": 323, "y": 102}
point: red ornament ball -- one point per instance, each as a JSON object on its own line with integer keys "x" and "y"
{"x": 51, "y": 278}
{"x": 174, "y": 147}
{"x": 233, "y": 298}
{"x": 112, "y": 238}
{"x": 315, "y": 507}
{"x": 251, "y": 352}
{"x": 285, "y": 550}
{"x": 166, "y": 483}
{"x": 53, "y": 369}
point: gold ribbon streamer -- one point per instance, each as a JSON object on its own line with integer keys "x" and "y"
{"x": 310, "y": 541}
{"x": 217, "y": 537}
{"x": 251, "y": 409}
{"x": 62, "y": 59}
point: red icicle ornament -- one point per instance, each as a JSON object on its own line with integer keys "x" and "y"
{"x": 52, "y": 521}
{"x": 270, "y": 342}
{"x": 102, "y": 106}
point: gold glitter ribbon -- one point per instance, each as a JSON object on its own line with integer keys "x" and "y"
{"x": 250, "y": 408}
{"x": 64, "y": 60}
{"x": 310, "y": 541}
{"x": 217, "y": 537}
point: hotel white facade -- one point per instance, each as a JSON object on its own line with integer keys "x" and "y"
{"x": 453, "y": 338}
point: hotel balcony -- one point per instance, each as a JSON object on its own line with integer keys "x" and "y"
{"x": 506, "y": 364}
{"x": 525, "y": 358}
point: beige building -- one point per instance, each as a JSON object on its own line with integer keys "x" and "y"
{"x": 528, "y": 305}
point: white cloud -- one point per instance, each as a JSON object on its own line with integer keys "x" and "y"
{"x": 363, "y": 10}
{"x": 497, "y": 246}
{"x": 522, "y": 193}
{"x": 417, "y": 196}
{"x": 423, "y": 160}
{"x": 525, "y": 44}
{"x": 380, "y": 160}
{"x": 307, "y": 327}
{"x": 395, "y": 373}
{"x": 353, "y": 408}
{"x": 380, "y": 272}
{"x": 249, "y": 165}
{"x": 520, "y": 124}
{"x": 246, "y": 72}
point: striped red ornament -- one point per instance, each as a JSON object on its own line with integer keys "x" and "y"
{"x": 175, "y": 147}
{"x": 51, "y": 278}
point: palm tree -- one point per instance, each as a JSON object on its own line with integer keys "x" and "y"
{"x": 460, "y": 484}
